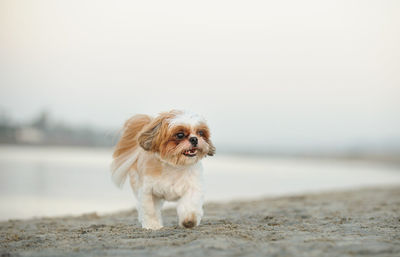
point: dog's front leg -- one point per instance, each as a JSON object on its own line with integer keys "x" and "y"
{"x": 190, "y": 209}
{"x": 149, "y": 208}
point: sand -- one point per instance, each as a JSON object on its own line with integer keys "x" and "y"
{"x": 362, "y": 222}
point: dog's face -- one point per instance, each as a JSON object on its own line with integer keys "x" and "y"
{"x": 179, "y": 138}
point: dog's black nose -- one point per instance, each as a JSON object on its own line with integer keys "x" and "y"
{"x": 193, "y": 140}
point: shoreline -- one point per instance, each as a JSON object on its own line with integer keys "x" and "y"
{"x": 340, "y": 223}
{"x": 387, "y": 158}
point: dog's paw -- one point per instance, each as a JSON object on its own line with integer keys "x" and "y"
{"x": 152, "y": 226}
{"x": 190, "y": 221}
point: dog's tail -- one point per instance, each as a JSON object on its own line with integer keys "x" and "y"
{"x": 127, "y": 149}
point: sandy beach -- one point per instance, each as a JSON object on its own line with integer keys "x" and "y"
{"x": 364, "y": 222}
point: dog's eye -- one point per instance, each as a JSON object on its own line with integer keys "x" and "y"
{"x": 201, "y": 133}
{"x": 180, "y": 135}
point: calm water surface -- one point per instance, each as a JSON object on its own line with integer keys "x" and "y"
{"x": 49, "y": 181}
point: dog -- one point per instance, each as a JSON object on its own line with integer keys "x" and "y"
{"x": 162, "y": 157}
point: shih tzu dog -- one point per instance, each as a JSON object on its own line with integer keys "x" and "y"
{"x": 161, "y": 156}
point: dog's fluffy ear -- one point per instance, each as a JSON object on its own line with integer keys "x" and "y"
{"x": 211, "y": 150}
{"x": 150, "y": 138}
{"x": 147, "y": 137}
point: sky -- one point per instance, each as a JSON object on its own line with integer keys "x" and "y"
{"x": 270, "y": 75}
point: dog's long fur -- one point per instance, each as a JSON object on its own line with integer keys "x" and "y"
{"x": 163, "y": 166}
{"x": 126, "y": 150}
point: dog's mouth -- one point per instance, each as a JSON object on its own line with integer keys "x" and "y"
{"x": 191, "y": 152}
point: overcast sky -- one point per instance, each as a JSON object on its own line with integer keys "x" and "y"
{"x": 272, "y": 74}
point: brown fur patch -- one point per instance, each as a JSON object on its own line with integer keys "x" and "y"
{"x": 190, "y": 221}
{"x": 128, "y": 140}
{"x": 155, "y": 133}
{"x": 211, "y": 150}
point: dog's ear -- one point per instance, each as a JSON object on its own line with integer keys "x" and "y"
{"x": 147, "y": 138}
{"x": 211, "y": 149}
{"x": 152, "y": 135}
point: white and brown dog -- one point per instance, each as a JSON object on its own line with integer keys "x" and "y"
{"x": 162, "y": 157}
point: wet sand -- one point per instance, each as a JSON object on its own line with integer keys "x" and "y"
{"x": 362, "y": 222}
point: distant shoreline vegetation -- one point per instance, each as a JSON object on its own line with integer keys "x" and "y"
{"x": 42, "y": 130}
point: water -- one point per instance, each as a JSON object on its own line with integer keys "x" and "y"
{"x": 51, "y": 181}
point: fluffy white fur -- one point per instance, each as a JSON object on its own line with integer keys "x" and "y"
{"x": 184, "y": 185}
{"x": 188, "y": 118}
{"x": 120, "y": 173}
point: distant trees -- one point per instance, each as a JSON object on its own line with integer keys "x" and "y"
{"x": 7, "y": 130}
{"x": 42, "y": 130}
{"x": 42, "y": 120}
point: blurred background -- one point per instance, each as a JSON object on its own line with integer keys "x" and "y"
{"x": 300, "y": 96}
